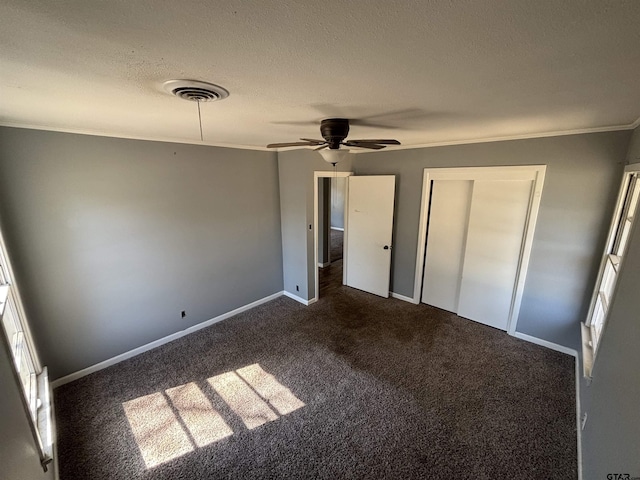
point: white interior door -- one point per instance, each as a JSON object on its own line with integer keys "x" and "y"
{"x": 370, "y": 202}
{"x": 494, "y": 243}
{"x": 449, "y": 215}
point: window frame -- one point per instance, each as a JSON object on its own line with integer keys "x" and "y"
{"x": 35, "y": 393}
{"x": 594, "y": 327}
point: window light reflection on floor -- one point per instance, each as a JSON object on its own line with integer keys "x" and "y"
{"x": 266, "y": 385}
{"x": 242, "y": 400}
{"x": 170, "y": 424}
{"x": 158, "y": 433}
{"x": 202, "y": 421}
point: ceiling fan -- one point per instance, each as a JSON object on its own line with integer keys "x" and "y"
{"x": 335, "y": 131}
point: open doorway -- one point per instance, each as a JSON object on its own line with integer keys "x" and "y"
{"x": 329, "y": 217}
{"x": 336, "y": 218}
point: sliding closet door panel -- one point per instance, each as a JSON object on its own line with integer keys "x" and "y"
{"x": 448, "y": 219}
{"x": 494, "y": 242}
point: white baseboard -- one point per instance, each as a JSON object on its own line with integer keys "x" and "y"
{"x": 337, "y": 228}
{"x": 54, "y": 436}
{"x": 157, "y": 343}
{"x": 403, "y": 298}
{"x": 578, "y": 418}
{"x": 574, "y": 353}
{"x": 545, "y": 343}
{"x": 299, "y": 299}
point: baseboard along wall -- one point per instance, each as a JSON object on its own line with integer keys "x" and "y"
{"x": 144, "y": 348}
{"x": 299, "y": 299}
{"x": 547, "y": 344}
{"x": 156, "y": 343}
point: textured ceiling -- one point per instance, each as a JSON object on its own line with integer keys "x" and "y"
{"x": 425, "y": 72}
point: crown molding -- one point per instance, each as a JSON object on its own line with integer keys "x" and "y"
{"x": 133, "y": 137}
{"x": 505, "y": 138}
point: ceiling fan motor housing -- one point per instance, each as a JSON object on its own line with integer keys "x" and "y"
{"x": 334, "y": 131}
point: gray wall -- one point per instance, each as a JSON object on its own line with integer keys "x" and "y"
{"x": 337, "y": 201}
{"x": 19, "y": 459}
{"x": 633, "y": 155}
{"x": 611, "y": 438}
{"x": 581, "y": 183}
{"x": 296, "y": 169}
{"x": 583, "y": 173}
{"x": 324, "y": 212}
{"x": 112, "y": 238}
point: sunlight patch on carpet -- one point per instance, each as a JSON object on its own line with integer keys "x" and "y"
{"x": 266, "y": 385}
{"x": 204, "y": 423}
{"x": 158, "y": 433}
{"x": 253, "y": 410}
{"x": 167, "y": 425}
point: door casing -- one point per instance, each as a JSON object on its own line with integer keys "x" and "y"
{"x": 317, "y": 175}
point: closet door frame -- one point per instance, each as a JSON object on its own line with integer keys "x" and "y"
{"x": 535, "y": 173}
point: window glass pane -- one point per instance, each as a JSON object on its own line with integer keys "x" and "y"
{"x": 624, "y": 236}
{"x": 608, "y": 280}
{"x": 4, "y": 275}
{"x": 629, "y": 205}
{"x": 28, "y": 379}
{"x": 597, "y": 322}
{"x": 4, "y": 297}
{"x": 11, "y": 325}
{"x": 634, "y": 198}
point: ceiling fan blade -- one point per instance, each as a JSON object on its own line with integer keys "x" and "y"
{"x": 371, "y": 146}
{"x": 290, "y": 144}
{"x": 381, "y": 142}
{"x": 318, "y": 142}
{"x": 321, "y": 147}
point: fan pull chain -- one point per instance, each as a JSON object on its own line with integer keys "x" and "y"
{"x": 200, "y": 120}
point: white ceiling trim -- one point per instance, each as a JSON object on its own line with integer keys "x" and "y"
{"x": 133, "y": 137}
{"x": 560, "y": 133}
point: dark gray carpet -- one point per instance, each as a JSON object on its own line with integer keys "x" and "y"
{"x": 391, "y": 391}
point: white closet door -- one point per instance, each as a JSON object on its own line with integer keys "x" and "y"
{"x": 448, "y": 216}
{"x": 494, "y": 243}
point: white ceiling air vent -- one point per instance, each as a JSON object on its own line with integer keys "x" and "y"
{"x": 195, "y": 90}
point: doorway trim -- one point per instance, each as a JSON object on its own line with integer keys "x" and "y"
{"x": 455, "y": 173}
{"x": 316, "y": 176}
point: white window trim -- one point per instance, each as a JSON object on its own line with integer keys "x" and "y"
{"x": 591, "y": 343}
{"x": 36, "y": 401}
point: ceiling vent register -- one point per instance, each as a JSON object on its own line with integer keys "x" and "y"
{"x": 195, "y": 91}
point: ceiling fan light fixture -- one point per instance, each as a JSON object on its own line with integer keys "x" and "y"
{"x": 334, "y": 155}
